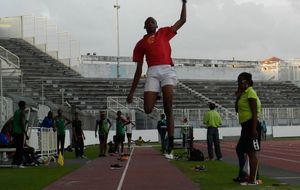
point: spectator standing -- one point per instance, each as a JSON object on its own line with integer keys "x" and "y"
{"x": 102, "y": 128}
{"x": 78, "y": 136}
{"x": 120, "y": 131}
{"x": 48, "y": 121}
{"x": 60, "y": 123}
{"x": 213, "y": 121}
{"x": 18, "y": 132}
{"x": 162, "y": 131}
{"x": 129, "y": 127}
{"x": 248, "y": 107}
{"x": 161, "y": 75}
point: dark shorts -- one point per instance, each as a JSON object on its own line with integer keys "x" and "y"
{"x": 129, "y": 135}
{"x": 103, "y": 138}
{"x": 120, "y": 138}
{"x": 246, "y": 140}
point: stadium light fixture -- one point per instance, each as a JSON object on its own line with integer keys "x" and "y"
{"x": 117, "y": 7}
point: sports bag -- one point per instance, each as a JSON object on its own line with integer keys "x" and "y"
{"x": 196, "y": 155}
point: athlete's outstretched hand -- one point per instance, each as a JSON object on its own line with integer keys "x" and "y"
{"x": 184, "y": 1}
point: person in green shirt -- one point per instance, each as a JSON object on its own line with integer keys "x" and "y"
{"x": 248, "y": 107}
{"x": 60, "y": 123}
{"x": 213, "y": 121}
{"x": 102, "y": 128}
{"x": 78, "y": 136}
{"x": 18, "y": 132}
{"x": 121, "y": 122}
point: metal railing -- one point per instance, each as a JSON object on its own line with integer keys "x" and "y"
{"x": 272, "y": 116}
{"x": 227, "y": 113}
{"x": 119, "y": 102}
{"x": 9, "y": 57}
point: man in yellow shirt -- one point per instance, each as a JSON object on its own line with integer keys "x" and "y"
{"x": 212, "y": 120}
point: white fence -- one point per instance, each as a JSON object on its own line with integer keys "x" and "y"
{"x": 44, "y": 140}
{"x": 199, "y": 133}
{"x": 48, "y": 140}
{"x": 7, "y": 110}
{"x": 272, "y": 116}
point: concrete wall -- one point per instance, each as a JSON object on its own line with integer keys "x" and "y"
{"x": 109, "y": 70}
{"x": 200, "y": 133}
{"x": 291, "y": 131}
{"x": 94, "y": 66}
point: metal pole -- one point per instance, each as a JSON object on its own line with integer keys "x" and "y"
{"x": 117, "y": 6}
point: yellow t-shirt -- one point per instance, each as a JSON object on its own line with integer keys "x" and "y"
{"x": 212, "y": 119}
{"x": 244, "y": 109}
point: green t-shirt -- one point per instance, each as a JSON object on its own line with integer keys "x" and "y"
{"x": 17, "y": 125}
{"x": 244, "y": 109}
{"x": 162, "y": 124}
{"x": 120, "y": 129}
{"x": 60, "y": 124}
{"x": 184, "y": 128}
{"x": 212, "y": 119}
{"x": 103, "y": 126}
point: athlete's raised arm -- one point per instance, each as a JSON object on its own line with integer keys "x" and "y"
{"x": 136, "y": 79}
{"x": 178, "y": 24}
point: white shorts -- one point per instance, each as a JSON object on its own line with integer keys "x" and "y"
{"x": 159, "y": 76}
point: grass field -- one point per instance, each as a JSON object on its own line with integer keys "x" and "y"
{"x": 217, "y": 176}
{"x": 32, "y": 178}
{"x": 35, "y": 178}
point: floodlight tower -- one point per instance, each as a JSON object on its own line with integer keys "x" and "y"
{"x": 117, "y": 7}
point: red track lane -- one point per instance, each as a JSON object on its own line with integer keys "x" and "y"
{"x": 148, "y": 170}
{"x": 95, "y": 174}
{"x": 279, "y": 154}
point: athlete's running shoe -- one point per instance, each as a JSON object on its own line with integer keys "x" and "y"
{"x": 115, "y": 166}
{"x": 170, "y": 156}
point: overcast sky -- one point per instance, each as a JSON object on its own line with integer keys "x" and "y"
{"x": 215, "y": 29}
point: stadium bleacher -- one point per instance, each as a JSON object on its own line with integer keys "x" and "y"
{"x": 40, "y": 69}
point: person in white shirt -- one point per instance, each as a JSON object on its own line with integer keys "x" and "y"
{"x": 129, "y": 127}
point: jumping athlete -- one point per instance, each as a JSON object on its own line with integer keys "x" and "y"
{"x": 161, "y": 75}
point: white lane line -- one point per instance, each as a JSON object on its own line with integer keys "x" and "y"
{"x": 286, "y": 177}
{"x": 272, "y": 157}
{"x": 276, "y": 158}
{"x": 125, "y": 171}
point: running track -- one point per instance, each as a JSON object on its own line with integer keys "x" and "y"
{"x": 146, "y": 169}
